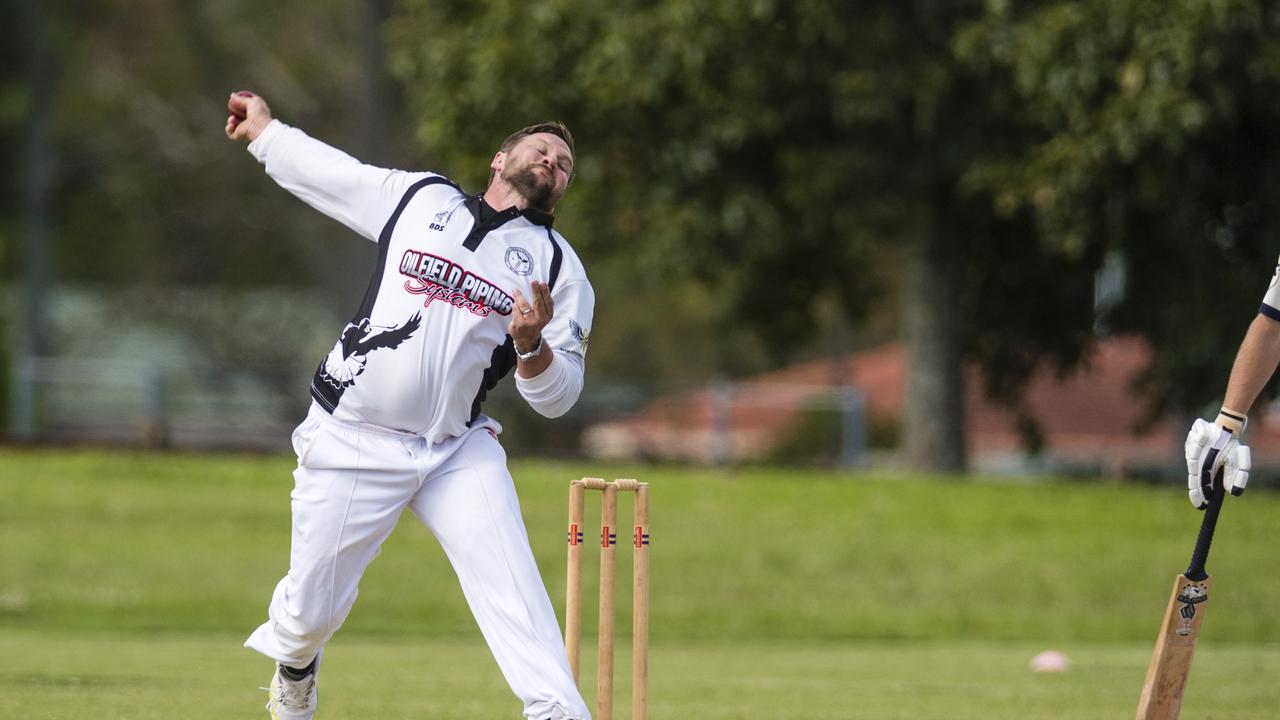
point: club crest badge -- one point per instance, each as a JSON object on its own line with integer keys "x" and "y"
{"x": 1190, "y": 596}
{"x": 520, "y": 261}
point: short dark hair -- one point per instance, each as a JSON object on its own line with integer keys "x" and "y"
{"x": 556, "y": 128}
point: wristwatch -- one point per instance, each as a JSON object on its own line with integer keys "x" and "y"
{"x": 535, "y": 352}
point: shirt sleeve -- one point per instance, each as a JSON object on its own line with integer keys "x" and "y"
{"x": 360, "y": 196}
{"x": 555, "y": 390}
{"x": 1271, "y": 301}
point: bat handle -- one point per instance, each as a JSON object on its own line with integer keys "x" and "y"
{"x": 1195, "y": 571}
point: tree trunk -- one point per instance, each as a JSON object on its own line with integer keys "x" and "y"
{"x": 37, "y": 178}
{"x": 373, "y": 131}
{"x": 370, "y": 141}
{"x": 933, "y": 414}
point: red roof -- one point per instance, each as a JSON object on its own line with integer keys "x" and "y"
{"x": 1091, "y": 415}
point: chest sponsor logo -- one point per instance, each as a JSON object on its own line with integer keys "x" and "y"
{"x": 519, "y": 261}
{"x": 439, "y": 279}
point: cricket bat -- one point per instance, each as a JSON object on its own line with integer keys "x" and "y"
{"x": 1176, "y": 644}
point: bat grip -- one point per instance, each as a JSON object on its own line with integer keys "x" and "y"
{"x": 1195, "y": 571}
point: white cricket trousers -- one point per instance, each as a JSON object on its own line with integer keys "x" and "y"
{"x": 352, "y": 483}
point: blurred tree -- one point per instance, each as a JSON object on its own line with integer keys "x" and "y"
{"x": 1154, "y": 142}
{"x": 154, "y": 194}
{"x": 744, "y": 166}
{"x": 27, "y": 89}
{"x": 38, "y": 161}
{"x": 376, "y": 111}
{"x": 13, "y": 111}
{"x": 781, "y": 153}
{"x": 147, "y": 193}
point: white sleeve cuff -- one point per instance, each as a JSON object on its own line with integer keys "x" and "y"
{"x": 553, "y": 391}
{"x": 262, "y": 144}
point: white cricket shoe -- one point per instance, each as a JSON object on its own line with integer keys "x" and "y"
{"x": 293, "y": 699}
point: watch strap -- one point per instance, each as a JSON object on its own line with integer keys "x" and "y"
{"x": 535, "y": 352}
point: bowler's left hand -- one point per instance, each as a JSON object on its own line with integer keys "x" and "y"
{"x": 528, "y": 318}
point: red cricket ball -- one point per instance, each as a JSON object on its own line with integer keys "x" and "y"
{"x": 239, "y": 115}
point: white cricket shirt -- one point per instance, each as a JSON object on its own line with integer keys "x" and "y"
{"x": 430, "y": 338}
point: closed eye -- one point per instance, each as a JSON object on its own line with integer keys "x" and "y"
{"x": 563, "y": 164}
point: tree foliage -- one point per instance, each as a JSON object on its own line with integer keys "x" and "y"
{"x": 706, "y": 134}
{"x": 781, "y": 152}
{"x": 148, "y": 191}
{"x": 743, "y": 164}
{"x": 1154, "y": 140}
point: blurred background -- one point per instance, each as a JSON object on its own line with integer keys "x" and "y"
{"x": 965, "y": 235}
{"x": 845, "y": 254}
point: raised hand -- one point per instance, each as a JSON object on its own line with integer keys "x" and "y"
{"x": 247, "y": 116}
{"x": 530, "y": 316}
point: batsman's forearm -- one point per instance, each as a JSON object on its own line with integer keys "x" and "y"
{"x": 1255, "y": 363}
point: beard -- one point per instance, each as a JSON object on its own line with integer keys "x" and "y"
{"x": 539, "y": 190}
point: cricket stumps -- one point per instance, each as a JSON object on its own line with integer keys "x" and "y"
{"x": 608, "y": 563}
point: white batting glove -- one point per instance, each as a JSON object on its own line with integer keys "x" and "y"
{"x": 1212, "y": 447}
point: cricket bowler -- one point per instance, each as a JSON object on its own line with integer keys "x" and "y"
{"x": 465, "y": 290}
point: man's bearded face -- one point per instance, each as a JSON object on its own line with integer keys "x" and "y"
{"x": 539, "y": 168}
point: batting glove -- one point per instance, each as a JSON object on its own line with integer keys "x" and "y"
{"x": 1214, "y": 447}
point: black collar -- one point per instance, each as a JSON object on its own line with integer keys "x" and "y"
{"x": 487, "y": 219}
{"x": 486, "y": 215}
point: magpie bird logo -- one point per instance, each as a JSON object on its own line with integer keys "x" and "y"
{"x": 349, "y": 355}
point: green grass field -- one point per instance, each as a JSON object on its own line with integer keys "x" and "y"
{"x": 128, "y": 581}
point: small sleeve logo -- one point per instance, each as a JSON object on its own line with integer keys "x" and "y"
{"x": 581, "y": 334}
